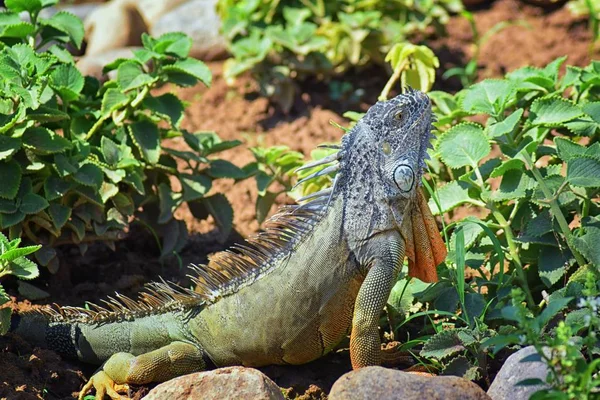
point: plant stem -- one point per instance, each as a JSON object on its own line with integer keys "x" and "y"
{"x": 514, "y": 252}
{"x": 555, "y": 208}
{"x": 395, "y": 76}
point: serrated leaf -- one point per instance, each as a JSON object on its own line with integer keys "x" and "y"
{"x": 588, "y": 245}
{"x": 471, "y": 230}
{"x": 553, "y": 264}
{"x": 146, "y": 137}
{"x": 552, "y": 111}
{"x": 451, "y": 195}
{"x": 23, "y": 268}
{"x": 31, "y": 6}
{"x": 194, "y": 186}
{"x": 168, "y": 202}
{"x": 130, "y": 75}
{"x": 593, "y": 110}
{"x": 263, "y": 205}
{"x": 167, "y": 105}
{"x": 110, "y": 151}
{"x": 68, "y": 81}
{"x": 443, "y": 344}
{"x": 54, "y": 187}
{"x": 89, "y": 175}
{"x": 553, "y": 308}
{"x": 458, "y": 366}
{"x": 462, "y": 145}
{"x": 68, "y": 24}
{"x": 44, "y": 141}
{"x": 505, "y": 126}
{"x": 32, "y": 203}
{"x": 568, "y": 149}
{"x": 10, "y": 171}
{"x": 515, "y": 185}
{"x": 8, "y": 146}
{"x": 489, "y": 96}
{"x": 191, "y": 67}
{"x": 31, "y": 292}
{"x": 219, "y": 207}
{"x": 124, "y": 204}
{"x": 112, "y": 100}
{"x": 540, "y": 224}
{"x": 513, "y": 163}
{"x": 60, "y": 214}
{"x": 225, "y": 169}
{"x": 584, "y": 171}
{"x": 15, "y": 253}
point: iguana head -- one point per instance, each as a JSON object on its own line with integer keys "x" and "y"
{"x": 382, "y": 161}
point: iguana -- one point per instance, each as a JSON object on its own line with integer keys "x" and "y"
{"x": 290, "y": 294}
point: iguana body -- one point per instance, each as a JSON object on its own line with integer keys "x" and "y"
{"x": 288, "y": 296}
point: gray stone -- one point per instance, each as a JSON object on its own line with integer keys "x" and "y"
{"x": 199, "y": 20}
{"x": 222, "y": 383}
{"x": 93, "y": 64}
{"x": 80, "y": 10}
{"x": 383, "y": 383}
{"x": 513, "y": 371}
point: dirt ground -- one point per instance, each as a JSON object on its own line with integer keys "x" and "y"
{"x": 234, "y": 113}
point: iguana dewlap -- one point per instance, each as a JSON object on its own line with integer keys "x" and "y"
{"x": 288, "y": 295}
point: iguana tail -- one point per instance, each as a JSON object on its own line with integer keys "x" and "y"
{"x": 95, "y": 342}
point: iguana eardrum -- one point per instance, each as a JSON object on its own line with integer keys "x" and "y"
{"x": 291, "y": 293}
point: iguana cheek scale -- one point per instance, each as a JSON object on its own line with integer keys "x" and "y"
{"x": 290, "y": 294}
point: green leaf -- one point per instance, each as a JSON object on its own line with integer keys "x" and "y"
{"x": 130, "y": 75}
{"x": 68, "y": 81}
{"x": 451, "y": 195}
{"x": 219, "y": 207}
{"x": 19, "y": 252}
{"x": 194, "y": 186}
{"x": 124, "y": 204}
{"x": 146, "y": 137}
{"x": 505, "y": 126}
{"x": 23, "y": 268}
{"x": 443, "y": 344}
{"x": 593, "y": 110}
{"x": 552, "y": 264}
{"x": 113, "y": 100}
{"x": 31, "y": 6}
{"x": 588, "y": 245}
{"x": 584, "y": 171}
{"x": 32, "y": 203}
{"x": 472, "y": 230}
{"x": 225, "y": 169}
{"x": 263, "y": 205}
{"x": 8, "y": 220}
{"x": 10, "y": 171}
{"x": 168, "y": 202}
{"x": 4, "y": 313}
{"x": 20, "y": 30}
{"x": 462, "y": 145}
{"x": 568, "y": 149}
{"x": 511, "y": 164}
{"x": 44, "y": 141}
{"x": 168, "y": 105}
{"x": 110, "y": 151}
{"x": 89, "y": 175}
{"x": 192, "y": 67}
{"x": 553, "y": 111}
{"x": 60, "y": 214}
{"x": 31, "y": 292}
{"x": 490, "y": 96}
{"x": 540, "y": 224}
{"x": 68, "y": 24}
{"x": 173, "y": 43}
{"x": 515, "y": 185}
{"x": 553, "y": 308}
{"x": 54, "y": 187}
{"x": 8, "y": 146}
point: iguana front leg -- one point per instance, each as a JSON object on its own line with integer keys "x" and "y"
{"x": 170, "y": 361}
{"x": 365, "y": 345}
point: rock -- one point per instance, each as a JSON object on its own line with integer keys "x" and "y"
{"x": 152, "y": 10}
{"x": 513, "y": 371}
{"x": 114, "y": 25}
{"x": 222, "y": 383}
{"x": 92, "y": 64}
{"x": 82, "y": 11}
{"x": 383, "y": 383}
{"x": 199, "y": 20}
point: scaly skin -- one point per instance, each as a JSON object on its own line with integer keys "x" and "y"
{"x": 297, "y": 291}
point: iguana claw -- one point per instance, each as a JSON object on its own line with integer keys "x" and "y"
{"x": 104, "y": 386}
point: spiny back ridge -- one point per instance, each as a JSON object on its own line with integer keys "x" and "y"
{"x": 226, "y": 273}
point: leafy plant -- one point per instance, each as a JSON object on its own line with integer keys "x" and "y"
{"x": 285, "y": 42}
{"x": 591, "y": 9}
{"x": 79, "y": 159}
{"x": 568, "y": 347}
{"x": 13, "y": 261}
{"x": 531, "y": 173}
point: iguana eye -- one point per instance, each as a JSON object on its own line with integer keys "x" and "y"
{"x": 404, "y": 178}
{"x": 398, "y": 115}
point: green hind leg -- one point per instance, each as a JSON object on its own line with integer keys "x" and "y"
{"x": 170, "y": 361}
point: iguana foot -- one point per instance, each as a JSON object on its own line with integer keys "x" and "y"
{"x": 104, "y": 386}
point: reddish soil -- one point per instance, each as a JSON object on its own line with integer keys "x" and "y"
{"x": 31, "y": 373}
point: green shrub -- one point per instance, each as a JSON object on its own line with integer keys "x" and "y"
{"x": 529, "y": 171}
{"x": 80, "y": 159}
{"x": 284, "y": 41}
